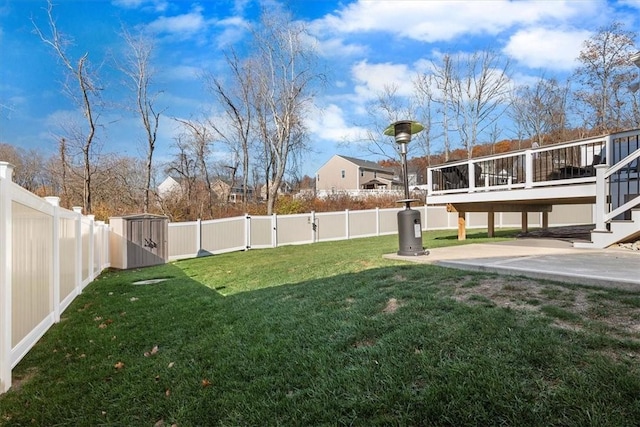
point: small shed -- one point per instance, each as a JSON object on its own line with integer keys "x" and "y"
{"x": 138, "y": 240}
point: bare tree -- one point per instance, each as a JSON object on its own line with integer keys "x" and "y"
{"x": 424, "y": 100}
{"x": 444, "y": 77}
{"x": 480, "y": 95}
{"x": 235, "y": 99}
{"x": 83, "y": 90}
{"x": 139, "y": 72}
{"x": 283, "y": 77}
{"x": 387, "y": 107}
{"x": 540, "y": 110}
{"x": 604, "y": 75}
{"x": 29, "y": 170}
{"x": 197, "y": 143}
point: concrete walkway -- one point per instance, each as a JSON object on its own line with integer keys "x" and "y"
{"x": 548, "y": 259}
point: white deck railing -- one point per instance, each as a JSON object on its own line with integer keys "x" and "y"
{"x": 610, "y": 161}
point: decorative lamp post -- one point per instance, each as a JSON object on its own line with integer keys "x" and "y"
{"x": 409, "y": 226}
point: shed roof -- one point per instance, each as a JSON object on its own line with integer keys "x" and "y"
{"x": 141, "y": 216}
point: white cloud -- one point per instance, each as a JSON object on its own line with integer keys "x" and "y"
{"x": 183, "y": 25}
{"x": 546, "y": 48}
{"x": 432, "y": 21}
{"x": 234, "y": 29}
{"x": 631, "y": 3}
{"x": 329, "y": 125}
{"x": 372, "y": 79}
{"x": 181, "y": 72}
{"x": 338, "y": 47}
{"x": 156, "y": 5}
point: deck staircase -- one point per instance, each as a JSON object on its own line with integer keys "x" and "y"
{"x": 618, "y": 231}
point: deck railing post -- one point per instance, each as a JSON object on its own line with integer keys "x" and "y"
{"x": 6, "y": 179}
{"x": 601, "y": 197}
{"x": 429, "y": 181}
{"x": 472, "y": 176}
{"x": 528, "y": 169}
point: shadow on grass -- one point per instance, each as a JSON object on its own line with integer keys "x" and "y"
{"x": 383, "y": 346}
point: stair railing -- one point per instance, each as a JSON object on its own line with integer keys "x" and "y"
{"x": 604, "y": 214}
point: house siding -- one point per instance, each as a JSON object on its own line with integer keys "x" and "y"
{"x": 329, "y": 176}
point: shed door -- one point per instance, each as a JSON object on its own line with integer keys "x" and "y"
{"x": 146, "y": 242}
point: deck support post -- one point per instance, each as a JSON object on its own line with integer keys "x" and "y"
{"x": 462, "y": 226}
{"x": 545, "y": 220}
{"x": 525, "y": 221}
{"x": 491, "y": 224}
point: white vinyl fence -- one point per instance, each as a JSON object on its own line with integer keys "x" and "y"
{"x": 197, "y": 238}
{"x": 47, "y": 256}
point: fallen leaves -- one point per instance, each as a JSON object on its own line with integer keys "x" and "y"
{"x": 161, "y": 423}
{"x": 205, "y": 382}
{"x": 119, "y": 365}
{"x": 153, "y": 352}
{"x": 104, "y": 324}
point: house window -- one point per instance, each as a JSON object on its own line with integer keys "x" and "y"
{"x": 375, "y": 174}
{"x": 343, "y": 173}
{"x": 361, "y": 172}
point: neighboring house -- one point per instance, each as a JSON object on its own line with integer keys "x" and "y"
{"x": 168, "y": 186}
{"x": 342, "y": 173}
{"x": 285, "y": 188}
{"x": 224, "y": 191}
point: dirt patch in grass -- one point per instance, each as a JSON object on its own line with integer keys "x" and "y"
{"x": 364, "y": 343}
{"x": 575, "y": 309}
{"x": 19, "y": 380}
{"x": 392, "y": 306}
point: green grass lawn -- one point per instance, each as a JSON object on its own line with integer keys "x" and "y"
{"x": 332, "y": 334}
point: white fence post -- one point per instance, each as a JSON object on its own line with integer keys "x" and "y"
{"x": 377, "y": 221}
{"x": 424, "y": 226}
{"x": 274, "y": 230}
{"x": 314, "y": 231}
{"x": 55, "y": 202}
{"x": 247, "y": 232}
{"x": 92, "y": 241}
{"x": 6, "y": 180}
{"x": 79, "y": 255}
{"x": 198, "y": 235}
{"x": 346, "y": 224}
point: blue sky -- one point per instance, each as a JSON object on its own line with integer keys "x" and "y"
{"x": 365, "y": 45}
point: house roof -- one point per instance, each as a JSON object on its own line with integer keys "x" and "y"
{"x": 366, "y": 164}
